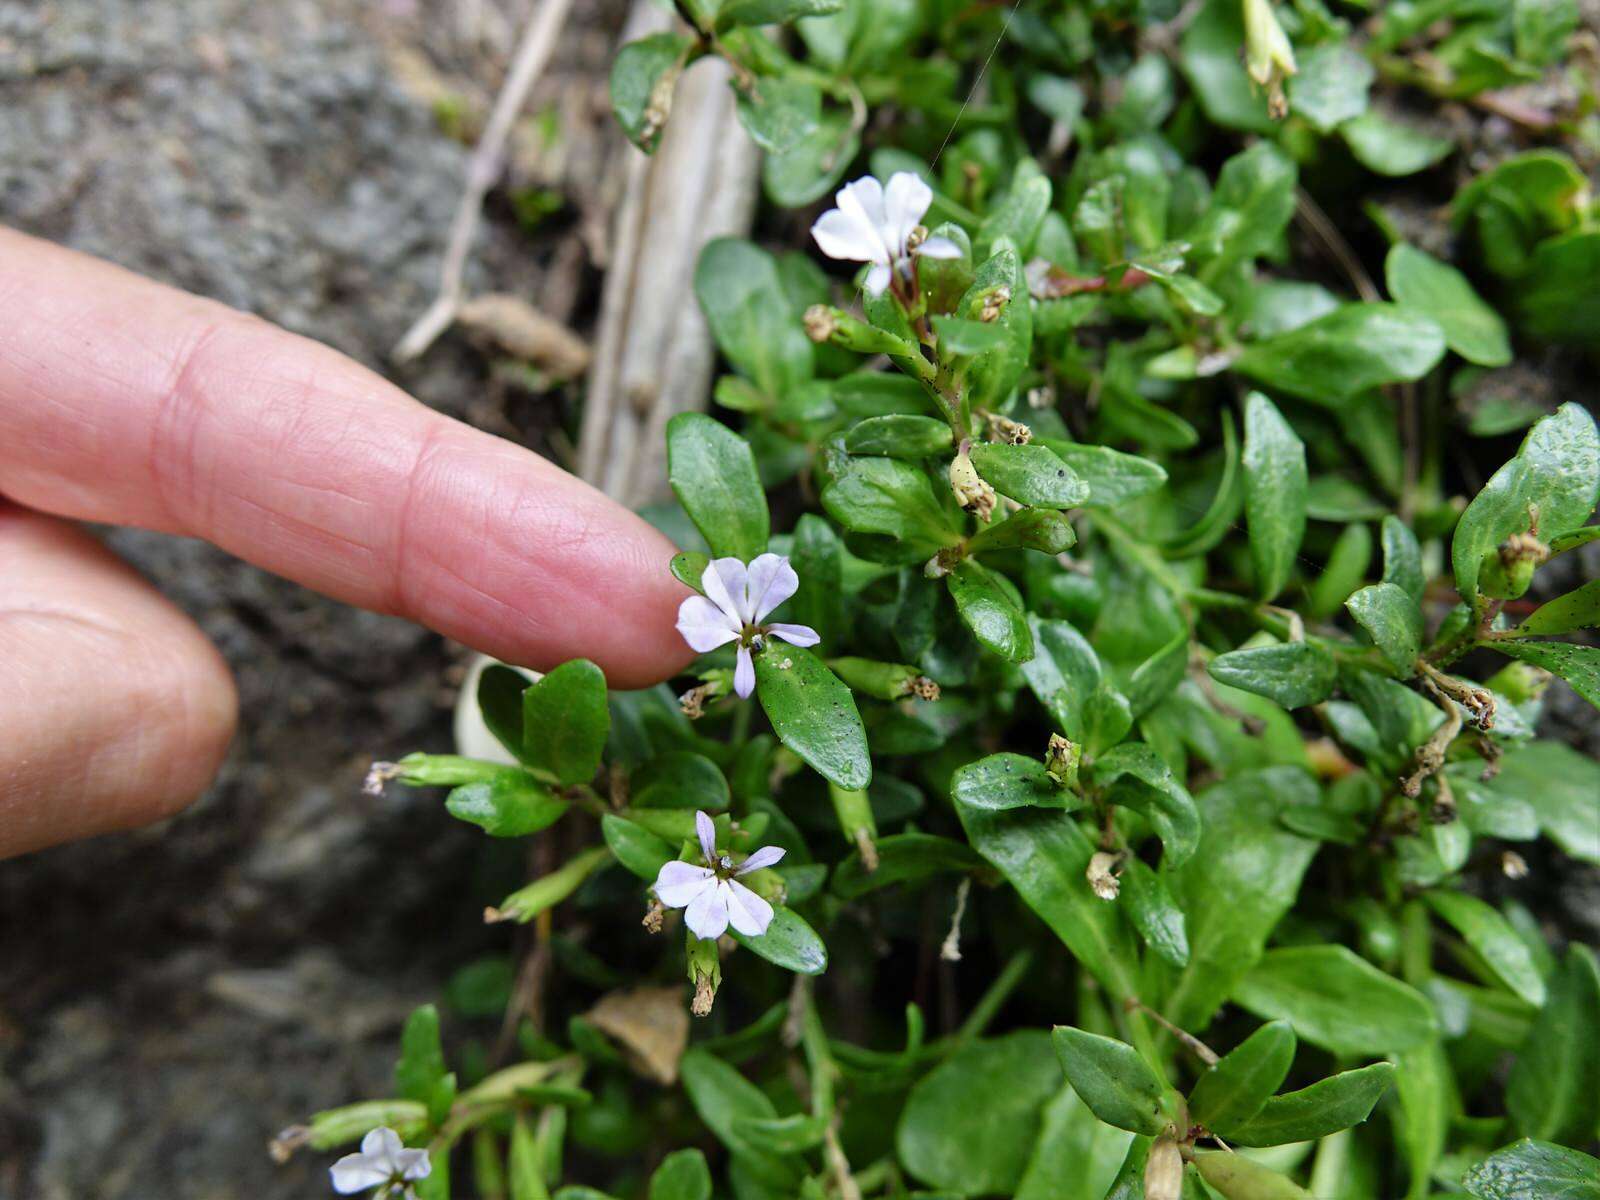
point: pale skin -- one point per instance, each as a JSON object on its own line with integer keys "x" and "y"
{"x": 126, "y": 402}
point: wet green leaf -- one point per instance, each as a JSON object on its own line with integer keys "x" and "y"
{"x": 1114, "y": 1081}
{"x": 1274, "y": 493}
{"x": 1325, "y": 1107}
{"x": 1337, "y": 1000}
{"x": 1238, "y": 1085}
{"x": 814, "y": 714}
{"x": 713, "y": 474}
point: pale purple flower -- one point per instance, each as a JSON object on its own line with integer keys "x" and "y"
{"x": 875, "y": 224}
{"x": 737, "y": 600}
{"x": 384, "y": 1162}
{"x": 712, "y": 894}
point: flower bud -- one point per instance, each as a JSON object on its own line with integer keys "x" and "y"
{"x": 549, "y": 890}
{"x": 1268, "y": 56}
{"x": 971, "y": 491}
{"x": 1101, "y": 874}
{"x": 705, "y": 972}
{"x": 1508, "y": 569}
{"x": 1004, "y": 429}
{"x": 1163, "y": 1170}
{"x": 994, "y": 303}
{"x": 884, "y": 681}
{"x": 1062, "y": 759}
{"x": 856, "y": 822}
{"x": 433, "y": 770}
{"x": 825, "y": 323}
{"x": 1513, "y": 865}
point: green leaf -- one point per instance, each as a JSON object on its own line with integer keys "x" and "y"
{"x": 643, "y": 77}
{"x": 809, "y": 167}
{"x": 992, "y": 375}
{"x": 754, "y": 321}
{"x": 1494, "y": 941}
{"x": 1003, "y": 781}
{"x": 1159, "y": 675}
{"x": 1274, "y": 493}
{"x": 500, "y": 701}
{"x": 1542, "y": 28}
{"x": 1076, "y": 1156}
{"x": 1563, "y": 788}
{"x": 785, "y": 1135}
{"x": 1388, "y": 147}
{"x": 1235, "y": 1177}
{"x": 682, "y": 1175}
{"x": 1066, "y": 675}
{"x": 1138, "y": 778}
{"x": 1472, "y": 329}
{"x": 1113, "y": 1079}
{"x": 512, "y": 804}
{"x": 721, "y": 1097}
{"x": 1579, "y": 609}
{"x": 1250, "y": 208}
{"x": 1209, "y": 56}
{"x": 1554, "y": 1088}
{"x": 1041, "y": 529}
{"x": 898, "y": 435}
{"x": 1393, "y": 620}
{"x": 565, "y": 722}
{"x": 1427, "y": 1102}
{"x": 1530, "y": 1170}
{"x": 713, "y": 474}
{"x": 1557, "y": 296}
{"x": 1112, "y": 477}
{"x": 420, "y": 1074}
{"x": 773, "y": 12}
{"x": 635, "y": 847}
{"x": 680, "y": 779}
{"x": 990, "y": 611}
{"x": 1044, "y": 855}
{"x": 1331, "y": 86}
{"x": 1293, "y": 674}
{"x": 1017, "y": 215}
{"x": 969, "y": 1124}
{"x": 1325, "y": 1107}
{"x": 1556, "y": 471}
{"x": 1402, "y": 558}
{"x": 893, "y": 498}
{"x": 1238, "y": 885}
{"x": 902, "y": 858}
{"x": 814, "y": 714}
{"x": 525, "y": 1171}
{"x": 1030, "y": 474}
{"x": 1578, "y": 665}
{"x": 689, "y": 567}
{"x": 1239, "y": 1084}
{"x": 1155, "y": 914}
{"x": 959, "y": 337}
{"x": 789, "y": 943}
{"x": 1351, "y": 350}
{"x": 1337, "y": 1000}
{"x": 778, "y": 113}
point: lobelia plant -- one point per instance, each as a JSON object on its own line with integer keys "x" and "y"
{"x": 1131, "y": 796}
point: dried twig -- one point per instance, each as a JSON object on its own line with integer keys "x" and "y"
{"x": 488, "y": 158}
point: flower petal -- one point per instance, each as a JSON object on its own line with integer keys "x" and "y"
{"x": 744, "y": 674}
{"x": 707, "y": 914}
{"x": 747, "y": 912}
{"x": 795, "y": 635}
{"x": 358, "y": 1172}
{"x": 680, "y": 882}
{"x": 763, "y": 857}
{"x": 862, "y": 199}
{"x": 840, "y": 235}
{"x": 705, "y": 829}
{"x": 413, "y": 1164}
{"x": 877, "y": 280}
{"x": 905, "y": 201}
{"x": 939, "y": 247}
{"x": 771, "y": 581}
{"x": 382, "y": 1141}
{"x": 723, "y": 583}
{"x": 705, "y": 626}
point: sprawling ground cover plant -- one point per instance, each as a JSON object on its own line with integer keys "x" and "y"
{"x": 1111, "y": 769}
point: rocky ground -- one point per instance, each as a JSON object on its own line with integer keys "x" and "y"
{"x": 169, "y": 999}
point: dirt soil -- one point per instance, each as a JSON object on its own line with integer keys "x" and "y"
{"x": 169, "y": 999}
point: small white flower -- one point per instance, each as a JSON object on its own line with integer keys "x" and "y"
{"x": 712, "y": 894}
{"x": 736, "y": 602}
{"x": 383, "y": 1162}
{"x": 874, "y": 224}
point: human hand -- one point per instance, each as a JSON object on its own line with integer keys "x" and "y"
{"x": 127, "y": 402}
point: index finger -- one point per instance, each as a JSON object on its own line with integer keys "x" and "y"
{"x": 125, "y": 401}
